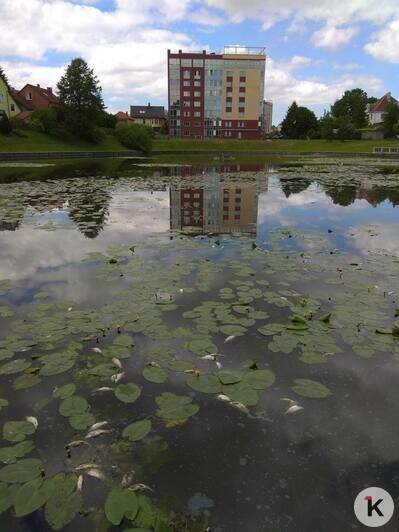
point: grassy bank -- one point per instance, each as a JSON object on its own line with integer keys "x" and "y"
{"x": 262, "y": 146}
{"x": 32, "y": 141}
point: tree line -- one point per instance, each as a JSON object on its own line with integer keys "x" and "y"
{"x": 345, "y": 119}
{"x": 80, "y": 113}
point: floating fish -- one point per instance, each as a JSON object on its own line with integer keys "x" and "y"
{"x": 69, "y": 309}
{"x": 127, "y": 479}
{"x": 117, "y": 362}
{"x": 140, "y": 487}
{"x": 96, "y": 473}
{"x": 85, "y": 466}
{"x": 95, "y": 433}
{"x": 117, "y": 377}
{"x": 229, "y": 339}
{"x": 218, "y": 364}
{"x": 222, "y": 397}
{"x": 242, "y": 408}
{"x": 79, "y": 484}
{"x": 32, "y": 420}
{"x": 98, "y": 425}
{"x": 75, "y": 443}
{"x": 97, "y": 350}
{"x": 208, "y": 357}
{"x": 153, "y": 365}
{"x": 292, "y": 409}
{"x": 103, "y": 389}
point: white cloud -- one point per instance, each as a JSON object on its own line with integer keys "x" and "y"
{"x": 385, "y": 44}
{"x": 333, "y": 38}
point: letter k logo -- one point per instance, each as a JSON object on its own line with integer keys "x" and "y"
{"x": 373, "y": 507}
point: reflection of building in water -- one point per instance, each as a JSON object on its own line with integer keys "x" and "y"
{"x": 219, "y": 207}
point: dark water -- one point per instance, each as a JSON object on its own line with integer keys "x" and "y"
{"x": 283, "y": 240}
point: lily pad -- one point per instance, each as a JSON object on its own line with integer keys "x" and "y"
{"x": 17, "y": 431}
{"x": 259, "y": 379}
{"x": 73, "y": 405}
{"x": 229, "y": 377}
{"x": 127, "y": 393}
{"x": 201, "y": 347}
{"x": 15, "y": 366}
{"x": 137, "y": 431}
{"x": 63, "y": 392}
{"x": 26, "y": 381}
{"x": 23, "y": 471}
{"x": 157, "y": 375}
{"x": 241, "y": 392}
{"x": 180, "y": 365}
{"x": 82, "y": 421}
{"x": 205, "y": 383}
{"x": 175, "y": 407}
{"x": 64, "y": 503}
{"x": 121, "y": 503}
{"x": 9, "y": 455}
{"x": 104, "y": 370}
{"x": 310, "y": 388}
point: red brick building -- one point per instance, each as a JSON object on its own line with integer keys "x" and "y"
{"x": 37, "y": 97}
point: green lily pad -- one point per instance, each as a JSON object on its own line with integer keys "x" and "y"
{"x": 64, "y": 503}
{"x": 17, "y": 431}
{"x": 71, "y": 406}
{"x": 137, "y": 431}
{"x": 241, "y": 392}
{"x": 63, "y": 392}
{"x": 23, "y": 471}
{"x": 104, "y": 370}
{"x": 121, "y": 503}
{"x": 259, "y": 379}
{"x": 127, "y": 393}
{"x": 310, "y": 388}
{"x": 233, "y": 330}
{"x": 205, "y": 383}
{"x": 229, "y": 377}
{"x": 271, "y": 329}
{"x": 175, "y": 407}
{"x": 15, "y": 366}
{"x": 180, "y": 365}
{"x": 201, "y": 347}
{"x": 157, "y": 375}
{"x": 82, "y": 421}
{"x": 6, "y": 499}
{"x": 123, "y": 340}
{"x": 9, "y": 455}
{"x": 26, "y": 381}
{"x": 30, "y": 497}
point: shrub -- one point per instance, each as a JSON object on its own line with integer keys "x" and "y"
{"x": 134, "y": 137}
{"x": 5, "y": 125}
{"x": 44, "y": 120}
{"x": 97, "y": 135}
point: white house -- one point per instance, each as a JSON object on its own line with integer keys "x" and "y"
{"x": 376, "y": 111}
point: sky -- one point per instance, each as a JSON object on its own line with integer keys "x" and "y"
{"x": 316, "y": 49}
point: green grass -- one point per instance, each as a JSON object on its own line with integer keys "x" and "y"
{"x": 30, "y": 141}
{"x": 262, "y": 146}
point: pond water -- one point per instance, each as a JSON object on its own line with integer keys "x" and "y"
{"x": 231, "y": 331}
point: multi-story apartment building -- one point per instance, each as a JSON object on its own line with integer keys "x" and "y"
{"x": 216, "y": 95}
{"x": 267, "y": 121}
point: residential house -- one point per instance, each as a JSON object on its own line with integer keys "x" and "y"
{"x": 149, "y": 115}
{"x": 8, "y": 105}
{"x": 123, "y": 117}
{"x": 376, "y": 111}
{"x": 37, "y": 97}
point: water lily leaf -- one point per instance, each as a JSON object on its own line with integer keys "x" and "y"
{"x": 72, "y": 406}
{"x": 310, "y": 388}
{"x": 104, "y": 370}
{"x": 23, "y": 471}
{"x": 6, "y": 500}
{"x": 233, "y": 330}
{"x": 123, "y": 340}
{"x": 3, "y": 403}
{"x": 62, "y": 507}
{"x": 241, "y": 392}
{"x": 157, "y": 375}
{"x": 271, "y": 329}
{"x": 205, "y": 383}
{"x": 57, "y": 366}
{"x": 201, "y": 347}
{"x": 259, "y": 379}
{"x": 325, "y": 318}
{"x": 121, "y": 503}
{"x": 26, "y": 381}
{"x": 17, "y": 431}
{"x": 15, "y": 366}
{"x": 229, "y": 377}
{"x": 127, "y": 393}
{"x": 63, "y": 392}
{"x": 9, "y": 455}
{"x": 175, "y": 407}
{"x": 180, "y": 365}
{"x": 82, "y": 421}
{"x": 30, "y": 497}
{"x": 137, "y": 431}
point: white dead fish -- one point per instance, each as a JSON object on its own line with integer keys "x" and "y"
{"x": 153, "y": 365}
{"x": 117, "y": 377}
{"x": 192, "y": 371}
{"x": 95, "y": 433}
{"x": 69, "y": 309}
{"x": 85, "y": 466}
{"x": 292, "y": 409}
{"x": 218, "y": 364}
{"x": 208, "y": 357}
{"x": 140, "y": 487}
{"x": 229, "y": 339}
{"x": 76, "y": 443}
{"x": 79, "y": 484}
{"x": 97, "y": 350}
{"x": 224, "y": 398}
{"x": 242, "y": 408}
{"x": 98, "y": 425}
{"x": 32, "y": 420}
{"x": 127, "y": 479}
{"x": 103, "y": 389}
{"x": 96, "y": 473}
{"x": 117, "y": 362}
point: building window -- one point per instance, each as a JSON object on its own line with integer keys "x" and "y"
{"x": 243, "y": 79}
{"x": 228, "y": 124}
{"x": 186, "y": 114}
{"x": 242, "y": 89}
{"x": 228, "y": 109}
{"x": 186, "y": 83}
{"x": 186, "y": 94}
{"x": 241, "y": 99}
{"x": 186, "y": 124}
{"x": 197, "y": 104}
{"x": 1, "y": 97}
{"x": 241, "y": 109}
{"x": 229, "y": 99}
{"x": 197, "y": 74}
{"x": 198, "y": 62}
{"x": 240, "y": 124}
{"x": 197, "y": 114}
{"x": 186, "y": 133}
{"x": 197, "y": 124}
{"x": 186, "y": 103}
{"x": 12, "y": 107}
{"x": 29, "y": 96}
{"x": 229, "y": 89}
{"x": 225, "y": 217}
{"x": 186, "y": 63}
{"x": 237, "y": 217}
{"x": 197, "y": 94}
{"x": 186, "y": 74}
{"x": 229, "y": 79}
{"x": 197, "y": 83}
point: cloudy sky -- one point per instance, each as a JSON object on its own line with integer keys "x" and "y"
{"x": 316, "y": 48}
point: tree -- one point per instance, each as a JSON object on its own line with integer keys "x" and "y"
{"x": 80, "y": 95}
{"x": 298, "y": 122}
{"x": 3, "y": 76}
{"x": 5, "y": 124}
{"x": 391, "y": 117}
{"x": 396, "y": 129}
{"x": 134, "y": 136}
{"x": 352, "y": 107}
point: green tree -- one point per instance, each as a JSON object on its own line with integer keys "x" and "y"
{"x": 352, "y": 107}
{"x": 80, "y": 95}
{"x": 391, "y": 117}
{"x": 5, "y": 124}
{"x": 396, "y": 129}
{"x": 298, "y": 122}
{"x": 134, "y": 136}
{"x": 3, "y": 76}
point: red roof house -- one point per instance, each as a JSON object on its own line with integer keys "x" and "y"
{"x": 37, "y": 97}
{"x": 376, "y": 111}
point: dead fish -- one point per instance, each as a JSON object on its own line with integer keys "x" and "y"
{"x": 95, "y": 433}
{"x": 218, "y": 364}
{"x": 292, "y": 409}
{"x": 103, "y": 389}
{"x": 32, "y": 420}
{"x": 140, "y": 487}
{"x": 69, "y": 309}
{"x": 96, "y": 473}
{"x": 98, "y": 425}
{"x": 242, "y": 408}
{"x": 153, "y": 365}
{"x": 229, "y": 339}
{"x": 97, "y": 350}
{"x": 222, "y": 397}
{"x": 75, "y": 443}
{"x": 85, "y": 466}
{"x": 117, "y": 362}
{"x": 208, "y": 357}
{"x": 117, "y": 377}
{"x": 127, "y": 479}
{"x": 193, "y": 370}
{"x": 79, "y": 484}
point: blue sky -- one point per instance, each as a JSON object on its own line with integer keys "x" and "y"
{"x": 316, "y": 49}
